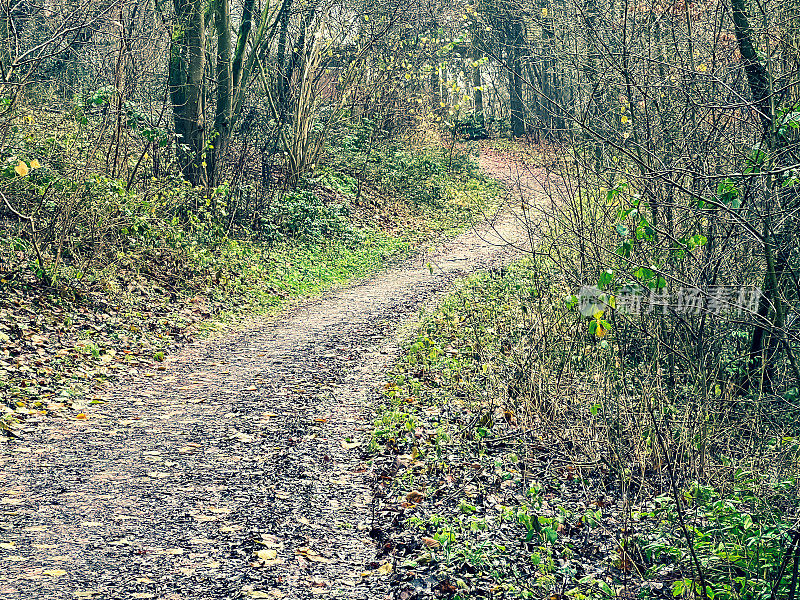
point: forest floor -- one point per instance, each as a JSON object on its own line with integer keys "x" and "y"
{"x": 240, "y": 469}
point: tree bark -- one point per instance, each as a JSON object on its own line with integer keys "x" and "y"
{"x": 770, "y": 302}
{"x": 186, "y": 70}
{"x": 224, "y": 76}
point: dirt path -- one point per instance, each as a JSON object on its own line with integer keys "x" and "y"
{"x": 251, "y": 443}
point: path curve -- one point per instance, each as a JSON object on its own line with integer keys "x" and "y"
{"x": 238, "y": 471}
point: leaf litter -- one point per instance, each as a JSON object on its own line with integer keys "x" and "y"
{"x": 236, "y": 470}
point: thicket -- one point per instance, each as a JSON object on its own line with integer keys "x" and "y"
{"x": 651, "y": 340}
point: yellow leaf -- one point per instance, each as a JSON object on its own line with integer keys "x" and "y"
{"x": 702, "y": 68}
{"x": 35, "y": 164}
{"x": 54, "y": 572}
{"x": 600, "y": 332}
{"x": 385, "y": 569}
{"x": 544, "y": 13}
{"x": 21, "y": 169}
{"x": 7, "y": 545}
{"x": 624, "y": 119}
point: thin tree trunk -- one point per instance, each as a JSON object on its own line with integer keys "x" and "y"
{"x": 514, "y": 66}
{"x": 222, "y": 116}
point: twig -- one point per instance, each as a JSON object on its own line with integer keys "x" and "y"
{"x": 678, "y": 505}
{"x": 30, "y": 220}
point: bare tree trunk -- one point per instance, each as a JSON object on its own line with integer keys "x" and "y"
{"x": 760, "y": 89}
{"x": 283, "y": 83}
{"x": 186, "y": 70}
{"x": 224, "y": 100}
{"x": 6, "y": 41}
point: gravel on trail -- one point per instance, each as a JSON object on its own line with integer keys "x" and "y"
{"x": 238, "y": 471}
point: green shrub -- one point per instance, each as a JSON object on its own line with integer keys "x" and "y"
{"x": 740, "y": 540}
{"x": 304, "y": 217}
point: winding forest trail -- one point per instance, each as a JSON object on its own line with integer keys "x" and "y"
{"x": 249, "y": 443}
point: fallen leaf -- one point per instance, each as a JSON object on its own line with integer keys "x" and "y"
{"x": 54, "y": 572}
{"x": 350, "y": 445}
{"x": 431, "y": 543}
{"x": 384, "y": 569}
{"x": 414, "y": 497}
{"x": 268, "y": 555}
{"x": 80, "y": 416}
{"x": 312, "y": 555}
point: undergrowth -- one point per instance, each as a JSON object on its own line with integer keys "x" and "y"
{"x": 167, "y": 258}
{"x": 534, "y": 477}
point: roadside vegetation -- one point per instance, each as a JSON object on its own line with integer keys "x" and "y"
{"x": 518, "y": 470}
{"x": 102, "y": 278}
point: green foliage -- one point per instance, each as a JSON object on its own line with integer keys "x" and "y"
{"x": 304, "y": 217}
{"x": 740, "y": 538}
{"x": 473, "y": 127}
